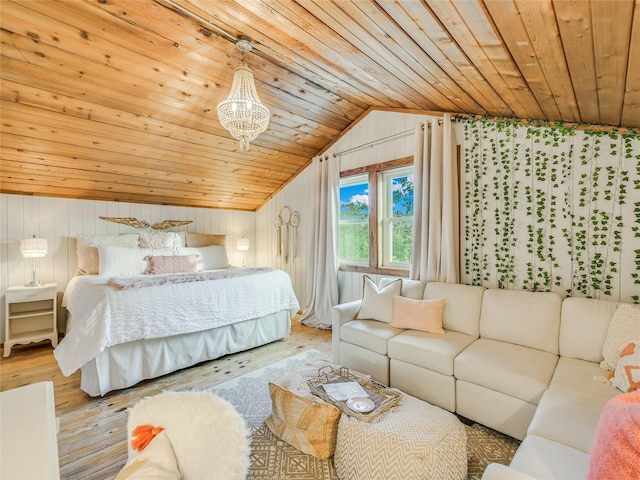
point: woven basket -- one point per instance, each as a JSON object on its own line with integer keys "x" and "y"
{"x": 311, "y": 426}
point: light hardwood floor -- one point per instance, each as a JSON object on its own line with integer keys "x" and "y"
{"x": 92, "y": 437}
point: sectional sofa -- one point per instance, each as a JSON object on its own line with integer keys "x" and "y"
{"x": 522, "y": 363}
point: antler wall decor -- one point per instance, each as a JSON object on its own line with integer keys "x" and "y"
{"x": 134, "y": 222}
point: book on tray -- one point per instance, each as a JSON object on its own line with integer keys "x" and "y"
{"x": 344, "y": 390}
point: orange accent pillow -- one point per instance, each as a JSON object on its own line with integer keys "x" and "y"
{"x": 423, "y": 315}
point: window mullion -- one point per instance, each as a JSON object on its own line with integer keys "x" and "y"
{"x": 373, "y": 220}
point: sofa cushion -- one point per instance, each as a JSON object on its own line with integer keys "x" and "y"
{"x": 462, "y": 305}
{"x": 545, "y": 459}
{"x": 579, "y": 377}
{"x": 583, "y": 327}
{"x": 369, "y": 334}
{"x": 429, "y": 350}
{"x": 424, "y": 315}
{"x": 530, "y": 319}
{"x": 377, "y": 303}
{"x": 568, "y": 418}
{"x": 514, "y": 370}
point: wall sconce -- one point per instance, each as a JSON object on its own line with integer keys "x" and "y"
{"x": 243, "y": 245}
{"x": 33, "y": 248}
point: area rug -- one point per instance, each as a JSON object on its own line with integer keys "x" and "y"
{"x": 274, "y": 459}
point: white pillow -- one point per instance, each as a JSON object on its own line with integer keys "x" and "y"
{"x": 123, "y": 240}
{"x": 624, "y": 328}
{"x": 212, "y": 257}
{"x": 161, "y": 240}
{"x": 116, "y": 261}
{"x": 156, "y": 462}
{"x": 378, "y": 304}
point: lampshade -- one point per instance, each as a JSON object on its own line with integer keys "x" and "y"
{"x": 242, "y": 113}
{"x": 243, "y": 243}
{"x": 33, "y": 247}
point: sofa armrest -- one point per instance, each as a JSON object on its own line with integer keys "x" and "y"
{"x": 341, "y": 314}
{"x": 497, "y": 471}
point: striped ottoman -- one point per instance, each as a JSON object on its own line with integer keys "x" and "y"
{"x": 414, "y": 440}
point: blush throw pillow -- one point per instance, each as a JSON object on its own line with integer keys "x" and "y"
{"x": 156, "y": 461}
{"x": 624, "y": 328}
{"x": 159, "y": 264}
{"x": 423, "y": 315}
{"x": 377, "y": 304}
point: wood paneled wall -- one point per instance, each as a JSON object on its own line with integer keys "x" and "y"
{"x": 60, "y": 220}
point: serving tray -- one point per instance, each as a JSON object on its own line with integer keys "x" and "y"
{"x": 384, "y": 398}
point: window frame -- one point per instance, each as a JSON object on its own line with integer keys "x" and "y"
{"x": 375, "y": 235}
{"x": 385, "y": 206}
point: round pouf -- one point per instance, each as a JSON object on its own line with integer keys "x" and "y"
{"x": 412, "y": 441}
{"x": 209, "y": 437}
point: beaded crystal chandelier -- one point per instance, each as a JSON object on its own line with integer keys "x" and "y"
{"x": 242, "y": 113}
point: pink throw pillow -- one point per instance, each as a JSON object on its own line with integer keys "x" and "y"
{"x": 424, "y": 315}
{"x": 159, "y": 264}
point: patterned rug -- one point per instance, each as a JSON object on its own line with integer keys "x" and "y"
{"x": 274, "y": 459}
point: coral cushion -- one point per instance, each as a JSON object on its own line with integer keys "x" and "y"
{"x": 424, "y": 315}
{"x": 616, "y": 446}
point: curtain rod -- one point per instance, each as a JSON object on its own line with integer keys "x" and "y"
{"x": 380, "y": 140}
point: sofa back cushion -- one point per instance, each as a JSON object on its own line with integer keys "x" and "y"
{"x": 583, "y": 327}
{"x": 462, "y": 305}
{"x": 530, "y": 319}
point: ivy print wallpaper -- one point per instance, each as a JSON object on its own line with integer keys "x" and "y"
{"x": 551, "y": 208}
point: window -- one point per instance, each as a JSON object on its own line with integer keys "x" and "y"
{"x": 376, "y": 217}
{"x": 354, "y": 220}
{"x": 396, "y": 203}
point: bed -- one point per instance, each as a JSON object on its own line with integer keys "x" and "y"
{"x": 125, "y": 325}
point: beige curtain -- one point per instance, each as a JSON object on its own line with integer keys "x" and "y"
{"x": 436, "y": 241}
{"x": 323, "y": 253}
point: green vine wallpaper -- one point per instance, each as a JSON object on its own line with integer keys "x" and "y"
{"x": 551, "y": 208}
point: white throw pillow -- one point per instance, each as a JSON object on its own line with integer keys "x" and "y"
{"x": 161, "y": 240}
{"x": 212, "y": 257}
{"x": 156, "y": 462}
{"x": 624, "y": 328}
{"x": 123, "y": 240}
{"x": 117, "y": 261}
{"x": 626, "y": 376}
{"x": 87, "y": 249}
{"x": 378, "y": 304}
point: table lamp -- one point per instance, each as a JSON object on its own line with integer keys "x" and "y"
{"x": 33, "y": 248}
{"x": 243, "y": 246}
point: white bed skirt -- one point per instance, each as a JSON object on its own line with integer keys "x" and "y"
{"x": 124, "y": 365}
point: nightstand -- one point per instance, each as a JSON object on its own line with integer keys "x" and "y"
{"x": 30, "y": 315}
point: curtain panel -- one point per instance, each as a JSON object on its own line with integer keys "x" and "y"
{"x": 436, "y": 240}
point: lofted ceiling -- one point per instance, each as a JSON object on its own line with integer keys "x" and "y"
{"x": 116, "y": 99}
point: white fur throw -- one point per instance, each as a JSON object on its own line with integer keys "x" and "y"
{"x": 209, "y": 437}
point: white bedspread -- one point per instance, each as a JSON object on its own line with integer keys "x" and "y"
{"x": 103, "y": 315}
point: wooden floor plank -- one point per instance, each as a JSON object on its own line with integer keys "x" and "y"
{"x": 92, "y": 437}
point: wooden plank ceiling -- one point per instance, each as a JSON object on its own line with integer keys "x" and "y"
{"x": 116, "y": 99}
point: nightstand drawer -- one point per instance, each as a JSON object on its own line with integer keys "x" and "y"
{"x": 30, "y": 294}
